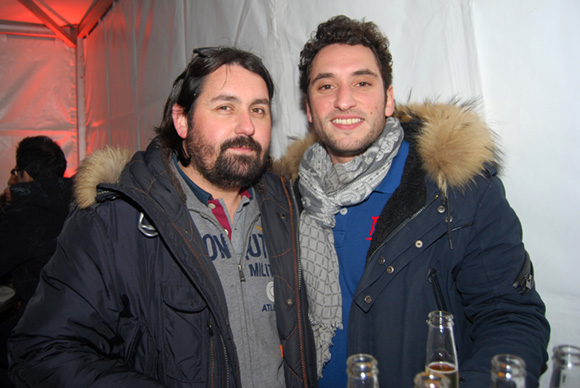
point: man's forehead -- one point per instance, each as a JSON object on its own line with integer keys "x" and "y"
{"x": 233, "y": 81}
{"x": 344, "y": 59}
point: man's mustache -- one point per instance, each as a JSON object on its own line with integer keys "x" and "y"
{"x": 241, "y": 141}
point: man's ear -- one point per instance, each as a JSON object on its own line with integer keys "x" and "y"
{"x": 308, "y": 112}
{"x": 390, "y": 103}
{"x": 179, "y": 120}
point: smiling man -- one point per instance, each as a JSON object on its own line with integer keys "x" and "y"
{"x": 404, "y": 214}
{"x": 179, "y": 267}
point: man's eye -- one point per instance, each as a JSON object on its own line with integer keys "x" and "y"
{"x": 364, "y": 83}
{"x": 325, "y": 87}
{"x": 224, "y": 107}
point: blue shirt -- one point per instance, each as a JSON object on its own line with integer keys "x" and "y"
{"x": 352, "y": 237}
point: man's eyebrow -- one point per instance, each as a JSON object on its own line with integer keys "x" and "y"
{"x": 321, "y": 76}
{"x": 366, "y": 72}
{"x": 262, "y": 101}
{"x": 236, "y": 99}
{"x": 225, "y": 97}
{"x": 356, "y": 73}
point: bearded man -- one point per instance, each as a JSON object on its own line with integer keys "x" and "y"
{"x": 182, "y": 268}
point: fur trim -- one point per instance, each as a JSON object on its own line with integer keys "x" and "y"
{"x": 454, "y": 144}
{"x": 102, "y": 166}
{"x": 287, "y": 166}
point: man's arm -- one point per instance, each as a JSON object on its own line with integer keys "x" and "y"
{"x": 507, "y": 316}
{"x": 17, "y": 223}
{"x": 68, "y": 334}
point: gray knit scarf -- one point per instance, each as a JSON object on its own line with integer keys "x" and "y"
{"x": 325, "y": 189}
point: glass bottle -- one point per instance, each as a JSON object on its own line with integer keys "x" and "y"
{"x": 566, "y": 362}
{"x": 362, "y": 371}
{"x": 441, "y": 353}
{"x": 430, "y": 380}
{"x": 508, "y": 371}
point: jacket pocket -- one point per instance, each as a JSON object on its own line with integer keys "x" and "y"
{"x": 186, "y": 337}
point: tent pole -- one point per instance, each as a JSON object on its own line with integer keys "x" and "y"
{"x": 80, "y": 87}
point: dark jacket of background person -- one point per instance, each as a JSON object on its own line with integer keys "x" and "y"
{"x": 485, "y": 279}
{"x": 160, "y": 318}
{"x": 29, "y": 226}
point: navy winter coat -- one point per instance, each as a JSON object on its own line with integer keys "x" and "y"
{"x": 132, "y": 299}
{"x": 447, "y": 239}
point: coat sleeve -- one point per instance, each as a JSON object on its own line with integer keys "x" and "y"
{"x": 18, "y": 246}
{"x": 67, "y": 336}
{"x": 505, "y": 319}
{"x": 11, "y": 229}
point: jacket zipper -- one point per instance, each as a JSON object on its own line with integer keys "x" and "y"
{"x": 402, "y": 225}
{"x": 245, "y": 249}
{"x": 292, "y": 196}
{"x": 437, "y": 292}
{"x": 226, "y": 360}
{"x": 297, "y": 238}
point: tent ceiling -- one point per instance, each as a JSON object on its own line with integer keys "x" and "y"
{"x": 64, "y": 19}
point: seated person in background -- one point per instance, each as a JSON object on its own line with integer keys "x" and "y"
{"x": 36, "y": 204}
{"x": 34, "y": 207}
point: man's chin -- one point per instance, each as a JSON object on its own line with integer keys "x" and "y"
{"x": 239, "y": 173}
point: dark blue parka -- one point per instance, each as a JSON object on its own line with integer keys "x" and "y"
{"x": 131, "y": 298}
{"x": 447, "y": 239}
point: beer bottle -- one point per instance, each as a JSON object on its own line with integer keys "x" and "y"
{"x": 566, "y": 362}
{"x": 430, "y": 380}
{"x": 362, "y": 371}
{"x": 441, "y": 352}
{"x": 508, "y": 371}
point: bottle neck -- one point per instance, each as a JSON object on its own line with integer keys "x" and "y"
{"x": 567, "y": 357}
{"x": 431, "y": 380}
{"x": 508, "y": 370}
{"x": 362, "y": 371}
{"x": 440, "y": 319}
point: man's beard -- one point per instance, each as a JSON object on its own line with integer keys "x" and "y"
{"x": 229, "y": 170}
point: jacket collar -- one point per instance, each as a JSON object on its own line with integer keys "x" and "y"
{"x": 454, "y": 144}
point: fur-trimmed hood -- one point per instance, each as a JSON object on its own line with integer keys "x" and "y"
{"x": 102, "y": 166}
{"x": 454, "y": 143}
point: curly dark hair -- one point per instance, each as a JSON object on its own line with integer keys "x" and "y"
{"x": 40, "y": 157}
{"x": 343, "y": 30}
{"x": 189, "y": 85}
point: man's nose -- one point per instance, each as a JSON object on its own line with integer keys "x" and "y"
{"x": 344, "y": 98}
{"x": 245, "y": 124}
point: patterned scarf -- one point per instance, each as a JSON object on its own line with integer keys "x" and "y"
{"x": 325, "y": 189}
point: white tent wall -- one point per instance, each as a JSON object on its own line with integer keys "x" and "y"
{"x": 131, "y": 60}
{"x": 37, "y": 96}
{"x": 529, "y": 56}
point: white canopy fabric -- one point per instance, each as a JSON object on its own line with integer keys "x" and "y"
{"x": 37, "y": 96}
{"x": 519, "y": 59}
{"x": 141, "y": 46}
